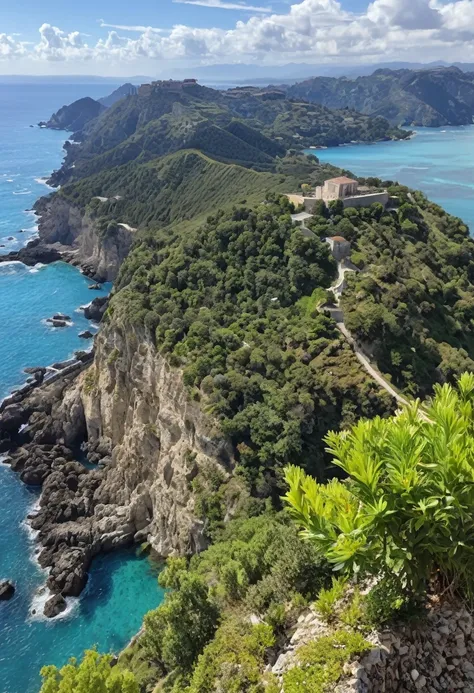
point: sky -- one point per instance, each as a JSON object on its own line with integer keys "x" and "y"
{"x": 153, "y": 37}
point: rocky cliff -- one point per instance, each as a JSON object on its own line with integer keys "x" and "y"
{"x": 67, "y": 228}
{"x": 132, "y": 416}
{"x": 74, "y": 116}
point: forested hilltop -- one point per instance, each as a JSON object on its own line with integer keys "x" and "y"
{"x": 429, "y": 97}
{"x": 245, "y": 126}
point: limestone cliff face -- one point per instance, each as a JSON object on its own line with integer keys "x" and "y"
{"x": 63, "y": 224}
{"x": 136, "y": 406}
{"x": 131, "y": 413}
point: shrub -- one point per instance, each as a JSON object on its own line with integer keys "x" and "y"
{"x": 178, "y": 630}
{"x": 385, "y": 601}
{"x": 321, "y": 662}
{"x": 235, "y": 660}
{"x": 406, "y": 508}
{"x": 327, "y": 599}
{"x": 93, "y": 674}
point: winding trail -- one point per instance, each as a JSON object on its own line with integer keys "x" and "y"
{"x": 337, "y": 288}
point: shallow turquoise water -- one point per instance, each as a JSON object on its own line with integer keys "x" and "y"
{"x": 122, "y": 587}
{"x": 437, "y": 161}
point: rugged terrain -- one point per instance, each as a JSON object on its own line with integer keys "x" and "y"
{"x": 250, "y": 127}
{"x": 428, "y": 97}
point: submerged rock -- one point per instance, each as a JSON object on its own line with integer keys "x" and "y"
{"x": 86, "y": 334}
{"x": 7, "y": 590}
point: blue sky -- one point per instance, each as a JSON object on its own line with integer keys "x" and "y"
{"x": 153, "y": 36}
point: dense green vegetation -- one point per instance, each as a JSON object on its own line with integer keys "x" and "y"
{"x": 183, "y": 186}
{"x": 201, "y": 634}
{"x": 240, "y": 126}
{"x": 406, "y": 509}
{"x": 93, "y": 674}
{"x": 234, "y": 305}
{"x": 413, "y": 304}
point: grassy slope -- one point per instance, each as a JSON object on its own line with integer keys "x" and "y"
{"x": 181, "y": 186}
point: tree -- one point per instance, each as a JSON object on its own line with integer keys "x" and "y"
{"x": 94, "y": 674}
{"x": 178, "y": 630}
{"x": 407, "y": 508}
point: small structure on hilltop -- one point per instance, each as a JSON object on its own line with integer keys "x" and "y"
{"x": 340, "y": 248}
{"x": 341, "y": 188}
{"x": 301, "y": 218}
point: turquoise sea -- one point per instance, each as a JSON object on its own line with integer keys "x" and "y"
{"x": 122, "y": 586}
{"x": 438, "y": 161}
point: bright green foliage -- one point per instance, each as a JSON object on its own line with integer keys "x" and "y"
{"x": 255, "y": 565}
{"x": 94, "y": 674}
{"x": 407, "y": 507}
{"x": 321, "y": 662}
{"x": 327, "y": 598}
{"x": 177, "y": 631}
{"x": 234, "y": 661}
{"x": 353, "y": 614}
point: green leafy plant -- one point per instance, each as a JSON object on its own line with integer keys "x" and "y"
{"x": 93, "y": 674}
{"x": 353, "y": 614}
{"x": 327, "y": 599}
{"x": 385, "y": 601}
{"x": 406, "y": 508}
{"x": 320, "y": 663}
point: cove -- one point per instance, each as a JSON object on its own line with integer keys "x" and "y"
{"x": 437, "y": 161}
{"x": 122, "y": 586}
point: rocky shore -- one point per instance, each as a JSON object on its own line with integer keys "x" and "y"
{"x": 128, "y": 414}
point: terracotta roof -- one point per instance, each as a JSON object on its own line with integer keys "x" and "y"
{"x": 339, "y": 239}
{"x": 341, "y": 179}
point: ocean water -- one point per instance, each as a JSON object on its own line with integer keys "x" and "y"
{"x": 122, "y": 586}
{"x": 438, "y": 161}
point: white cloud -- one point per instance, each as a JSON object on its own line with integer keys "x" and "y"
{"x": 10, "y": 47}
{"x": 131, "y": 27}
{"x": 311, "y": 30}
{"x": 221, "y": 4}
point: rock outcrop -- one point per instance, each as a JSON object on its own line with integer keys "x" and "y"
{"x": 33, "y": 253}
{"x": 64, "y": 228}
{"x": 132, "y": 415}
{"x": 434, "y": 652}
{"x": 74, "y": 116}
{"x": 54, "y": 606}
{"x": 7, "y": 590}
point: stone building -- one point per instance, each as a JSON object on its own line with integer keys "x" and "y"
{"x": 342, "y": 188}
{"x": 340, "y": 248}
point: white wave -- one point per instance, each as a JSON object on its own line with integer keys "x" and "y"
{"x": 39, "y": 600}
{"x": 37, "y": 267}
{"x": 12, "y": 267}
{"x": 23, "y": 192}
{"x": 9, "y": 180}
{"x": 43, "y": 181}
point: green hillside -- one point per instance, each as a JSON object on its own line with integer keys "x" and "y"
{"x": 182, "y": 186}
{"x": 241, "y": 126}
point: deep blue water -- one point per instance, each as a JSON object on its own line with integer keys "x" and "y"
{"x": 438, "y": 161}
{"x": 122, "y": 586}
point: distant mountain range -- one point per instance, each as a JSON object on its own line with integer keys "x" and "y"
{"x": 428, "y": 97}
{"x": 234, "y": 74}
